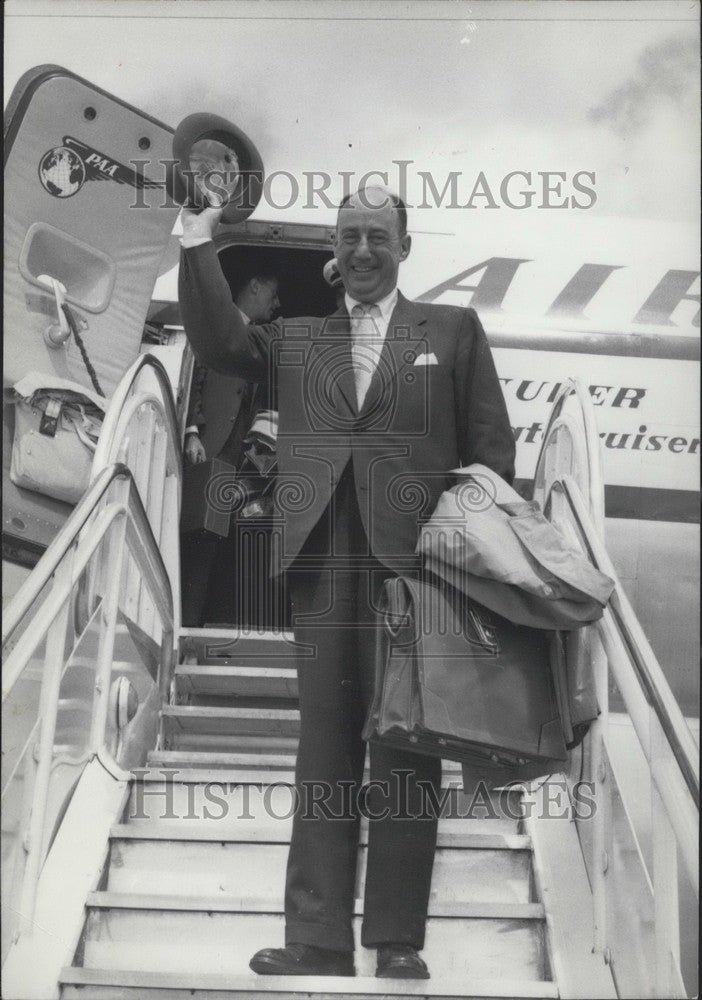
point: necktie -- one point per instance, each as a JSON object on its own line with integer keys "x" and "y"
{"x": 367, "y": 343}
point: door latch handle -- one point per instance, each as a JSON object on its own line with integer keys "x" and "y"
{"x": 56, "y": 334}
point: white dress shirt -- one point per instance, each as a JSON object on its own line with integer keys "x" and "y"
{"x": 369, "y": 327}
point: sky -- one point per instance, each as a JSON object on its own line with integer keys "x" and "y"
{"x": 331, "y": 86}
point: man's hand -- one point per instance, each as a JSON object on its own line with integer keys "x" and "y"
{"x": 194, "y": 449}
{"x": 199, "y": 225}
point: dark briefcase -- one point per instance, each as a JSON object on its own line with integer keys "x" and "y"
{"x": 457, "y": 681}
{"x": 209, "y": 497}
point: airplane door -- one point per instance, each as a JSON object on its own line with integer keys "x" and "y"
{"x": 86, "y": 205}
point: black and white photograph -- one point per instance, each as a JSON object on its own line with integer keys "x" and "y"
{"x": 350, "y": 538}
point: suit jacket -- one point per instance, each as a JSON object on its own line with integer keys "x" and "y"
{"x": 418, "y": 421}
{"x": 214, "y": 406}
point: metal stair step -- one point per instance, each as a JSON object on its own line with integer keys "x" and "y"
{"x": 242, "y": 775}
{"x": 231, "y": 743}
{"x": 233, "y": 762}
{"x": 217, "y": 681}
{"x": 113, "y": 984}
{"x": 476, "y": 835}
{"x": 258, "y": 905}
{"x": 465, "y": 873}
{"x": 212, "y": 936}
{"x": 241, "y": 647}
{"x": 233, "y": 767}
{"x": 208, "y": 720}
{"x": 211, "y": 760}
{"x": 236, "y": 772}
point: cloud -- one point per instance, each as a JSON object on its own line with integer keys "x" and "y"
{"x": 665, "y": 73}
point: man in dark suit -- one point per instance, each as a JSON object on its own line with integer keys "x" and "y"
{"x": 212, "y": 426}
{"x": 220, "y": 412}
{"x": 376, "y": 404}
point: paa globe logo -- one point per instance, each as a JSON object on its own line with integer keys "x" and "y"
{"x": 64, "y": 169}
{"x": 62, "y": 172}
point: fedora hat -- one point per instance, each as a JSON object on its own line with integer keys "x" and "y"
{"x": 213, "y": 157}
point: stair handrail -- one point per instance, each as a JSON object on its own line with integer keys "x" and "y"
{"x": 146, "y": 553}
{"x": 124, "y": 519}
{"x": 649, "y": 672}
{"x": 141, "y": 516}
{"x": 595, "y": 491}
{"x": 103, "y": 473}
{"x": 670, "y": 755}
{"x": 110, "y": 426}
{"x": 66, "y": 560}
{"x": 586, "y": 513}
{"x": 30, "y": 589}
{"x": 157, "y": 471}
{"x": 568, "y": 483}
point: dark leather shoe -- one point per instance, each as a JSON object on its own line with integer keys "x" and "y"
{"x": 400, "y": 961}
{"x": 302, "y": 960}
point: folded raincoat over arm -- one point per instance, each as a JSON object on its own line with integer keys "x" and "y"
{"x": 501, "y": 551}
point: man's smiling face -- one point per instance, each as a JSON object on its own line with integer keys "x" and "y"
{"x": 369, "y": 246}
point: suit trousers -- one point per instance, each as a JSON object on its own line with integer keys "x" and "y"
{"x": 226, "y": 581}
{"x": 334, "y": 585}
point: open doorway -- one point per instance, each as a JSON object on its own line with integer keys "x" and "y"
{"x": 226, "y": 581}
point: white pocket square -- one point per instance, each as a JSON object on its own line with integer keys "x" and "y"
{"x": 426, "y": 359}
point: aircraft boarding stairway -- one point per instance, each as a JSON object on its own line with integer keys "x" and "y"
{"x": 185, "y": 904}
{"x": 150, "y": 807}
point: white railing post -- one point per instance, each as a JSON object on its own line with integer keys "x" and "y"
{"x": 132, "y": 585}
{"x": 108, "y": 629}
{"x": 53, "y": 671}
{"x": 22, "y": 847}
{"x": 665, "y": 885}
{"x": 169, "y": 539}
{"x": 602, "y": 820}
{"x": 145, "y": 421}
{"x": 665, "y": 899}
{"x": 154, "y": 506}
